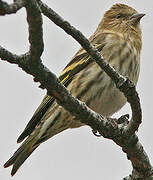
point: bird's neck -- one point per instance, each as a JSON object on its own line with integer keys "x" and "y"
{"x": 132, "y": 37}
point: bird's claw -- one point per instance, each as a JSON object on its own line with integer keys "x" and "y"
{"x": 95, "y": 132}
{"x": 123, "y": 119}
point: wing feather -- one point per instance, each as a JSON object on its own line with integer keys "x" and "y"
{"x": 78, "y": 62}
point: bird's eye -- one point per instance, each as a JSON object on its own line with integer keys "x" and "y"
{"x": 119, "y": 16}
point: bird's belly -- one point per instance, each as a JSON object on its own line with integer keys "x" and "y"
{"x": 98, "y": 91}
{"x": 109, "y": 102}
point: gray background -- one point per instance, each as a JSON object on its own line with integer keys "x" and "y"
{"x": 74, "y": 154}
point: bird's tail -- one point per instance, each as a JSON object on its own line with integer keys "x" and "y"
{"x": 45, "y": 129}
{"x": 22, "y": 153}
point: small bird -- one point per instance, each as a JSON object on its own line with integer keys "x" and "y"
{"x": 118, "y": 39}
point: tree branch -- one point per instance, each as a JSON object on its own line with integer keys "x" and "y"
{"x": 5, "y": 8}
{"x": 118, "y": 130}
{"x": 34, "y": 19}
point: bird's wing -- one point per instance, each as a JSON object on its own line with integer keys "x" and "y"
{"x": 78, "y": 62}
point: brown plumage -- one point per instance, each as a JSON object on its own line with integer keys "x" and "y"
{"x": 118, "y": 38}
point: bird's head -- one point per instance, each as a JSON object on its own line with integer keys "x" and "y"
{"x": 122, "y": 19}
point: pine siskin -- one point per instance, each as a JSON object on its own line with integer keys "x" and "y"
{"x": 118, "y": 38}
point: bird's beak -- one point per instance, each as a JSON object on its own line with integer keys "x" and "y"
{"x": 135, "y": 18}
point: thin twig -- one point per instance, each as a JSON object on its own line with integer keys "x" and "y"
{"x": 6, "y": 8}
